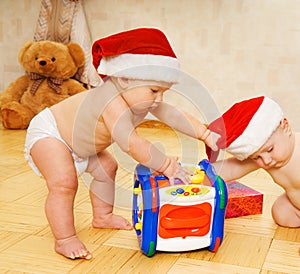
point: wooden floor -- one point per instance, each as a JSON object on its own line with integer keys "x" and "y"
{"x": 252, "y": 244}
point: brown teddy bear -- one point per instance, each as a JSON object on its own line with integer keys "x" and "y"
{"x": 49, "y": 66}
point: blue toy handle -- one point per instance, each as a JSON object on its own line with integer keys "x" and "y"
{"x": 209, "y": 171}
{"x": 147, "y": 236}
{"x": 221, "y": 200}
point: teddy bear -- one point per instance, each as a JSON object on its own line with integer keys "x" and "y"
{"x": 49, "y": 67}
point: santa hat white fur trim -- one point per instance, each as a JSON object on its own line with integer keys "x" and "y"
{"x": 141, "y": 66}
{"x": 264, "y": 122}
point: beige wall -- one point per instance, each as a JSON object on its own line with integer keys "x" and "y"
{"x": 236, "y": 48}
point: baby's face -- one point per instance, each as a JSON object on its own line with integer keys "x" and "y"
{"x": 144, "y": 96}
{"x": 277, "y": 150}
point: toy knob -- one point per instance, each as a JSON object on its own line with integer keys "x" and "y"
{"x": 137, "y": 190}
{"x": 138, "y": 226}
{"x": 198, "y": 178}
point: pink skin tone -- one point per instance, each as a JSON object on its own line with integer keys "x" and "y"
{"x": 133, "y": 100}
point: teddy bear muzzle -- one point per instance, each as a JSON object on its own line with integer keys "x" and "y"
{"x": 45, "y": 65}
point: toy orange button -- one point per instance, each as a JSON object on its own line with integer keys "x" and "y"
{"x": 195, "y": 189}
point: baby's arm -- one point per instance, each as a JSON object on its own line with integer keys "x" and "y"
{"x": 118, "y": 119}
{"x": 231, "y": 168}
{"x": 184, "y": 122}
{"x": 146, "y": 153}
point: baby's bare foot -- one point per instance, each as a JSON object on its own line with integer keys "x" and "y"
{"x": 72, "y": 248}
{"x": 111, "y": 221}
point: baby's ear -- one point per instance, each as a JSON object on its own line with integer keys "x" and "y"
{"x": 284, "y": 124}
{"x": 123, "y": 82}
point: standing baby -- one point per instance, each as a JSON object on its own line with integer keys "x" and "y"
{"x": 72, "y": 137}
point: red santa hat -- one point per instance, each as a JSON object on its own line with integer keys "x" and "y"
{"x": 142, "y": 53}
{"x": 245, "y": 127}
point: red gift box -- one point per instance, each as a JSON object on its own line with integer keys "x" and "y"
{"x": 242, "y": 200}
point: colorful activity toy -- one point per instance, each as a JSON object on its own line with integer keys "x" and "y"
{"x": 179, "y": 217}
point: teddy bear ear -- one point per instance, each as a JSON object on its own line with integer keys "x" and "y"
{"x": 77, "y": 54}
{"x": 25, "y": 47}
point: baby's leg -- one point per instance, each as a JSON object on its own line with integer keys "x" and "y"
{"x": 285, "y": 213}
{"x": 56, "y": 164}
{"x": 103, "y": 168}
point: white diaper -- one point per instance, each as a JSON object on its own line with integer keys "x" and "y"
{"x": 44, "y": 125}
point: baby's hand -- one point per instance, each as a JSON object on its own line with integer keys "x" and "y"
{"x": 182, "y": 174}
{"x": 210, "y": 138}
{"x": 174, "y": 171}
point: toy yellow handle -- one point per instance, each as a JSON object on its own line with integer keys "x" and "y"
{"x": 197, "y": 178}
